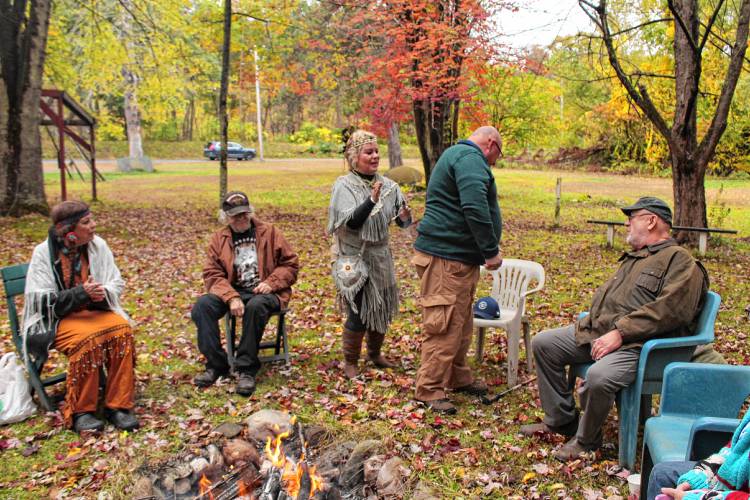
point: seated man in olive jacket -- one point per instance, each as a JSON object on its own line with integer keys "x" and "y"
{"x": 658, "y": 291}
{"x": 249, "y": 271}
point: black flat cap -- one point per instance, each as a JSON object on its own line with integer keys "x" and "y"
{"x": 654, "y": 205}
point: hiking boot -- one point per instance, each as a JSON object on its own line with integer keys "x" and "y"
{"x": 351, "y": 343}
{"x": 245, "y": 385}
{"x": 208, "y": 378}
{"x": 572, "y": 450}
{"x": 568, "y": 430}
{"x": 476, "y": 388}
{"x": 374, "y": 346}
{"x": 443, "y": 406}
{"x": 86, "y": 422}
{"x": 122, "y": 419}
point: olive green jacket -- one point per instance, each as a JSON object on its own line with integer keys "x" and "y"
{"x": 658, "y": 291}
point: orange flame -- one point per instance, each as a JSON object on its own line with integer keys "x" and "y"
{"x": 204, "y": 485}
{"x": 242, "y": 491}
{"x": 291, "y": 472}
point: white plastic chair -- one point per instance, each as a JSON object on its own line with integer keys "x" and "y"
{"x": 510, "y": 286}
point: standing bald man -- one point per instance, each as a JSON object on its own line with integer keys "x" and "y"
{"x": 460, "y": 231}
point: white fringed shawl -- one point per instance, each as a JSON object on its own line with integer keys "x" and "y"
{"x": 43, "y": 284}
{"x": 380, "y": 292}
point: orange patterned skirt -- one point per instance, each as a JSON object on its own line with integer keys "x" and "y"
{"x": 93, "y": 340}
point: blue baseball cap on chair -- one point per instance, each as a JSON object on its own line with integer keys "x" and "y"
{"x": 486, "y": 308}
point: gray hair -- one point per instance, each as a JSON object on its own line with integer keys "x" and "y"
{"x": 354, "y": 146}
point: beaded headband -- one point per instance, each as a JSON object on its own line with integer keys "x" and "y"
{"x": 361, "y": 142}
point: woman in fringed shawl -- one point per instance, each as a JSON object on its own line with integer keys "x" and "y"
{"x": 363, "y": 204}
{"x": 72, "y": 303}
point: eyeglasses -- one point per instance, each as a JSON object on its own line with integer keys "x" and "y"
{"x": 499, "y": 151}
{"x": 631, "y": 217}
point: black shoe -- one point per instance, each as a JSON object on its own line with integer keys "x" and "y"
{"x": 122, "y": 419}
{"x": 208, "y": 378}
{"x": 87, "y": 422}
{"x": 245, "y": 385}
{"x": 442, "y": 405}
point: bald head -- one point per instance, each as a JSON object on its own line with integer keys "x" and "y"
{"x": 489, "y": 141}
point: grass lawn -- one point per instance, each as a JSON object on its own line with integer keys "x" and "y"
{"x": 158, "y": 226}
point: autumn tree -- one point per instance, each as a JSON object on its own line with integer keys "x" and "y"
{"x": 23, "y": 38}
{"x": 694, "y": 33}
{"x": 430, "y": 46}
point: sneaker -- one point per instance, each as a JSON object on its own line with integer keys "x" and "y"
{"x": 441, "y": 406}
{"x": 572, "y": 450}
{"x": 208, "y": 378}
{"x": 86, "y": 422}
{"x": 476, "y": 388}
{"x": 245, "y": 385}
{"x": 122, "y": 419}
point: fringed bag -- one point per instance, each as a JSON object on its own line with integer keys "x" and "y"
{"x": 350, "y": 275}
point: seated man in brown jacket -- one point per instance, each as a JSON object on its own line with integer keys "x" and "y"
{"x": 658, "y": 291}
{"x": 249, "y": 271}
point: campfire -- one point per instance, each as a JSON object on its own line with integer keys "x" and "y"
{"x": 286, "y": 478}
{"x": 272, "y": 457}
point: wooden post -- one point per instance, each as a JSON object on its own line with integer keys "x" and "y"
{"x": 610, "y": 235}
{"x": 702, "y": 243}
{"x": 61, "y": 150}
{"x": 558, "y": 194}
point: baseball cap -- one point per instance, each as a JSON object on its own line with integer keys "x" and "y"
{"x": 486, "y": 308}
{"x": 653, "y": 205}
{"x": 235, "y": 202}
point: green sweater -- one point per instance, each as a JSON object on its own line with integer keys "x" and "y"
{"x": 462, "y": 217}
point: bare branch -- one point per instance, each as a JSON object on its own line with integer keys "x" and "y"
{"x": 642, "y": 25}
{"x": 638, "y": 95}
{"x": 719, "y": 121}
{"x": 710, "y": 24}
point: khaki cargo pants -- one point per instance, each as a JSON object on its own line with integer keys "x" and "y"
{"x": 446, "y": 298}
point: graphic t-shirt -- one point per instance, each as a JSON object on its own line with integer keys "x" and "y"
{"x": 245, "y": 260}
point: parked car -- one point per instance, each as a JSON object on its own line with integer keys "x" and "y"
{"x": 212, "y": 151}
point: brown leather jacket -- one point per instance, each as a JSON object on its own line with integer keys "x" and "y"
{"x": 277, "y": 263}
{"x": 658, "y": 291}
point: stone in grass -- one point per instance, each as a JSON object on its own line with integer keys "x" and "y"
{"x": 335, "y": 456}
{"x": 314, "y": 434}
{"x": 198, "y": 465}
{"x": 267, "y": 423}
{"x": 404, "y": 176}
{"x": 229, "y": 429}
{"x": 239, "y": 450}
{"x": 391, "y": 477}
{"x": 143, "y": 488}
{"x": 372, "y": 467}
{"x": 182, "y": 486}
{"x": 214, "y": 455}
{"x": 353, "y": 472}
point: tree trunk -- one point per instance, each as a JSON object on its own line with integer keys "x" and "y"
{"x": 23, "y": 40}
{"x": 188, "y": 120}
{"x": 130, "y": 96}
{"x": 437, "y": 129}
{"x": 394, "y": 147}
{"x": 689, "y": 196}
{"x": 223, "y": 91}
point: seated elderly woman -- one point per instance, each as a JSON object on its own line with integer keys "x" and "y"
{"x": 72, "y": 303}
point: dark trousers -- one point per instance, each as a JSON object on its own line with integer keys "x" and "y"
{"x": 210, "y": 309}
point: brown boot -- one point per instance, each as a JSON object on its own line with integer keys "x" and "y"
{"x": 374, "y": 345}
{"x": 352, "y": 345}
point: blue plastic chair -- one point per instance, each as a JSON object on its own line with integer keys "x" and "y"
{"x": 656, "y": 354}
{"x": 698, "y": 413}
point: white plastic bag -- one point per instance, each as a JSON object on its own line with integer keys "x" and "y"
{"x": 15, "y": 393}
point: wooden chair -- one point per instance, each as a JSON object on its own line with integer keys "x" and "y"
{"x": 14, "y": 282}
{"x": 279, "y": 345}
